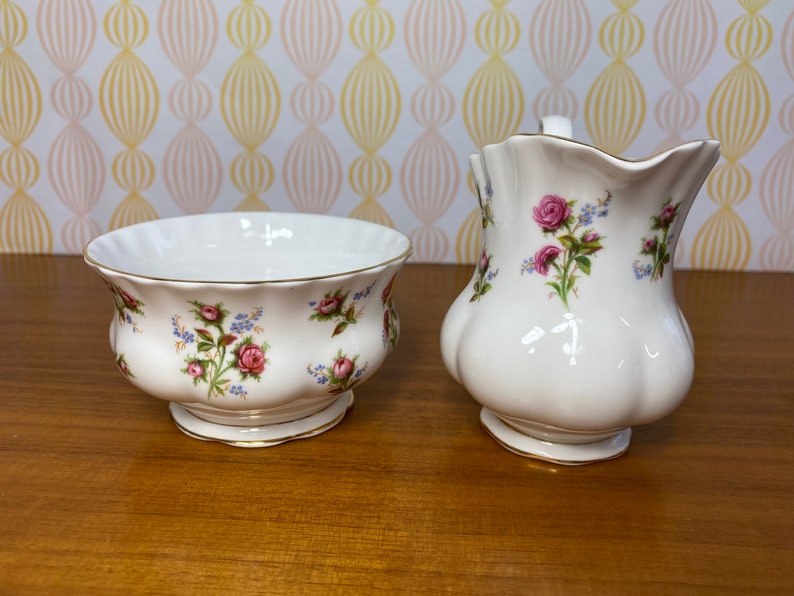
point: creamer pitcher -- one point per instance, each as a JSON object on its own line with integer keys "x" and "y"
{"x": 569, "y": 333}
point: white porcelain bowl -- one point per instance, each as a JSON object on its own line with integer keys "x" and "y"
{"x": 255, "y": 326}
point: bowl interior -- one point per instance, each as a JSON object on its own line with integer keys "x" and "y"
{"x": 247, "y": 247}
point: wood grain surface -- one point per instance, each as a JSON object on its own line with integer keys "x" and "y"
{"x": 101, "y": 494}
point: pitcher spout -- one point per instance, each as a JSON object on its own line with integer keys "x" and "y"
{"x": 526, "y": 167}
{"x": 686, "y": 167}
{"x": 482, "y": 184}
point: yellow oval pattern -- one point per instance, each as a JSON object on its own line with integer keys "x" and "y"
{"x": 129, "y": 101}
{"x": 370, "y": 108}
{"x": 24, "y": 227}
{"x": 615, "y": 105}
{"x": 15, "y": 25}
{"x": 370, "y": 103}
{"x": 126, "y": 25}
{"x": 248, "y": 27}
{"x": 493, "y": 104}
{"x": 737, "y": 115}
{"x": 250, "y": 103}
{"x": 21, "y": 99}
{"x": 371, "y": 28}
{"x": 497, "y": 31}
{"x": 739, "y": 111}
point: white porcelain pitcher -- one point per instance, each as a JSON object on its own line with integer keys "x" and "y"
{"x": 569, "y": 333}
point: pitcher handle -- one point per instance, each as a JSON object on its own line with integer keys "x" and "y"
{"x": 559, "y": 126}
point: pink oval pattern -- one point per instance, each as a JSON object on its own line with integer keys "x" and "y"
{"x": 430, "y": 176}
{"x": 312, "y": 102}
{"x": 190, "y": 100}
{"x": 312, "y": 33}
{"x": 433, "y": 105}
{"x": 312, "y": 172}
{"x": 434, "y": 32}
{"x": 777, "y": 180}
{"x": 684, "y": 40}
{"x": 192, "y": 168}
{"x": 75, "y": 165}
{"x": 559, "y": 37}
{"x": 67, "y": 32}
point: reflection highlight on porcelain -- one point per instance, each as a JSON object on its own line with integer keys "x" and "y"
{"x": 570, "y": 348}
{"x": 271, "y": 234}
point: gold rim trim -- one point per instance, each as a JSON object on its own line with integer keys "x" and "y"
{"x": 630, "y": 160}
{"x": 499, "y": 423}
{"x": 271, "y": 442}
{"x": 551, "y": 460}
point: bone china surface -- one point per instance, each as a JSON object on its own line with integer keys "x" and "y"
{"x": 568, "y": 332}
{"x": 256, "y": 326}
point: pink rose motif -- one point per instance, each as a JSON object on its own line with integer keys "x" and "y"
{"x": 129, "y": 299}
{"x": 384, "y": 296}
{"x": 343, "y": 367}
{"x": 544, "y": 257}
{"x": 667, "y": 215}
{"x": 251, "y": 359}
{"x": 591, "y": 237}
{"x": 484, "y": 261}
{"x": 551, "y": 212}
{"x": 194, "y": 369}
{"x": 329, "y": 306}
{"x": 209, "y": 313}
{"x": 649, "y": 245}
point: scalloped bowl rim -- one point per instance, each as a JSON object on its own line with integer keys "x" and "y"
{"x": 261, "y": 247}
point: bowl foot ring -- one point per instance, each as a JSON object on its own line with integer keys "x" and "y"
{"x": 262, "y": 436}
{"x": 570, "y": 454}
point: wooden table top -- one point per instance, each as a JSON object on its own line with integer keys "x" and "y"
{"x": 100, "y": 493}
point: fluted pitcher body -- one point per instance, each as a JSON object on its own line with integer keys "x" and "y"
{"x": 569, "y": 333}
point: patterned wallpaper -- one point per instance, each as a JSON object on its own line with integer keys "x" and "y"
{"x": 119, "y": 111}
